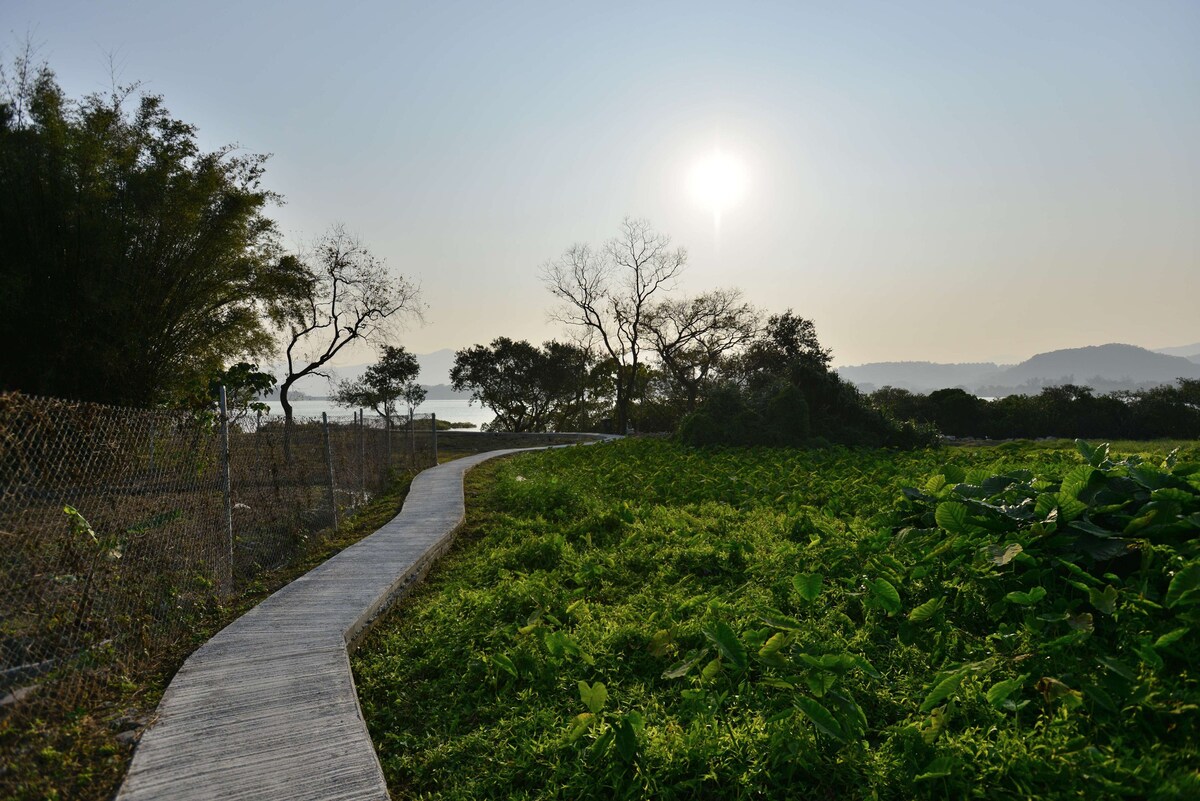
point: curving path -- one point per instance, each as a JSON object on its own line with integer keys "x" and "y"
{"x": 267, "y": 708}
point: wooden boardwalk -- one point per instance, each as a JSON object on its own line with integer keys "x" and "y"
{"x": 267, "y": 708}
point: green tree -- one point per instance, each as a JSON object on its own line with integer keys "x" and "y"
{"x": 956, "y": 412}
{"x": 785, "y": 393}
{"x": 244, "y": 385}
{"x": 384, "y": 384}
{"x": 788, "y": 343}
{"x": 528, "y": 388}
{"x": 134, "y": 265}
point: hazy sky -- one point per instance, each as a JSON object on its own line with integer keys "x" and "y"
{"x": 944, "y": 181}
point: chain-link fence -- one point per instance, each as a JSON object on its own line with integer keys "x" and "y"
{"x": 120, "y": 527}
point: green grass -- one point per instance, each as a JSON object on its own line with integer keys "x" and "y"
{"x": 638, "y": 620}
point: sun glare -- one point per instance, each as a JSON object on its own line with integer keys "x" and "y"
{"x": 718, "y": 182}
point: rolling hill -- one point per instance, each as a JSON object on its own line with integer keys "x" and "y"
{"x": 1102, "y": 367}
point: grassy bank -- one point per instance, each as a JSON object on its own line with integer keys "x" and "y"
{"x": 639, "y": 620}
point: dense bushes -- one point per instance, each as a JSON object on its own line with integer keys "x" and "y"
{"x": 782, "y": 392}
{"x": 811, "y": 405}
{"x": 1063, "y": 411}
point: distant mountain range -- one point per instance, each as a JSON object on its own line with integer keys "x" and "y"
{"x": 1189, "y": 352}
{"x": 919, "y": 376}
{"x": 1103, "y": 367}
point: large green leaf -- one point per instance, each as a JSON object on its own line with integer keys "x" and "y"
{"x": 820, "y": 682}
{"x": 1069, "y": 507}
{"x": 866, "y": 667}
{"x": 1185, "y": 586}
{"x": 711, "y": 670}
{"x": 579, "y": 725}
{"x": 1001, "y": 690}
{"x": 593, "y": 696}
{"x": 1093, "y": 529}
{"x": 727, "y": 643}
{"x": 951, "y": 516}
{"x": 1079, "y": 482}
{"x": 808, "y": 585}
{"x": 1171, "y": 637}
{"x": 771, "y": 648}
{"x": 821, "y": 717}
{"x": 1026, "y": 598}
{"x": 681, "y": 668}
{"x": 778, "y": 620}
{"x": 1046, "y": 503}
{"x": 927, "y": 610}
{"x": 504, "y": 663}
{"x": 1174, "y": 494}
{"x": 1096, "y": 456}
{"x": 943, "y": 689}
{"x": 1104, "y": 600}
{"x": 954, "y": 474}
{"x": 626, "y": 740}
{"x": 939, "y": 768}
{"x": 886, "y": 594}
{"x": 835, "y": 663}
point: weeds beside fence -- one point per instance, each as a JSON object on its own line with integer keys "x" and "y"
{"x": 119, "y": 527}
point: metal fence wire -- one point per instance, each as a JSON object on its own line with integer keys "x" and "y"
{"x": 119, "y": 527}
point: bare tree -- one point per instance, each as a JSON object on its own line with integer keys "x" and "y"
{"x": 692, "y": 336}
{"x": 609, "y": 293}
{"x": 349, "y": 295}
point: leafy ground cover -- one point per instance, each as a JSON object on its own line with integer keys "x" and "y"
{"x": 638, "y": 619}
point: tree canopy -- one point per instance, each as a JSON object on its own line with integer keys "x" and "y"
{"x": 134, "y": 264}
{"x": 384, "y": 384}
{"x": 529, "y": 388}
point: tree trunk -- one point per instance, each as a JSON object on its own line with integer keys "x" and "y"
{"x": 630, "y": 389}
{"x": 287, "y": 417}
{"x": 622, "y": 405}
{"x": 283, "y": 399}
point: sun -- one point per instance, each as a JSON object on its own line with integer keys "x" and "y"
{"x": 717, "y": 182}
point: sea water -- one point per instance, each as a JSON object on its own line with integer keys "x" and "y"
{"x": 455, "y": 411}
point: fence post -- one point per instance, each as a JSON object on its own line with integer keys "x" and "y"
{"x": 387, "y": 471}
{"x": 329, "y": 464}
{"x": 433, "y": 416}
{"x": 362, "y": 455}
{"x": 227, "y": 490}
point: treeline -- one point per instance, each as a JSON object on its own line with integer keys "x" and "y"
{"x": 717, "y": 371}
{"x": 710, "y": 366}
{"x": 776, "y": 390}
{"x": 1061, "y": 411}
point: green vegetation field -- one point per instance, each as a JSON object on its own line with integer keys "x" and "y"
{"x": 638, "y": 619}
